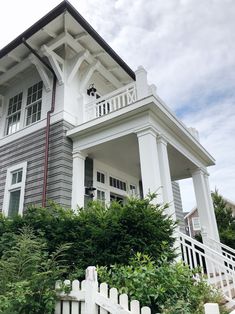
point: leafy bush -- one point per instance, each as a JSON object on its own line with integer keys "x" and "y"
{"x": 166, "y": 287}
{"x": 98, "y": 235}
{"x": 28, "y": 275}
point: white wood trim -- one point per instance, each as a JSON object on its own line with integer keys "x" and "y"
{"x": 18, "y": 186}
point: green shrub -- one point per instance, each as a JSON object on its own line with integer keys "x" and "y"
{"x": 28, "y": 275}
{"x": 98, "y": 235}
{"x": 168, "y": 288}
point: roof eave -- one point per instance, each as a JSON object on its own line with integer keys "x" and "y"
{"x": 50, "y": 16}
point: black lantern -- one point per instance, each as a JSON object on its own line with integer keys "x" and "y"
{"x": 89, "y": 191}
{"x": 91, "y": 90}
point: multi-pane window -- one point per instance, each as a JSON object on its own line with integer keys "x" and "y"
{"x": 34, "y": 103}
{"x": 133, "y": 189}
{"x": 101, "y": 196}
{"x": 14, "y": 190}
{"x": 196, "y": 224}
{"x": 13, "y": 114}
{"x": 116, "y": 183}
{"x": 100, "y": 177}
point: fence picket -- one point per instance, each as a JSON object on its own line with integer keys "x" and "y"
{"x": 83, "y": 287}
{"x": 113, "y": 294}
{"x": 75, "y": 285}
{"x": 104, "y": 292}
{"x": 135, "y": 307}
{"x": 145, "y": 310}
{"x": 211, "y": 308}
{"x": 124, "y": 301}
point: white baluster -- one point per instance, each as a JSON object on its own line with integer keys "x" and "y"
{"x": 104, "y": 292}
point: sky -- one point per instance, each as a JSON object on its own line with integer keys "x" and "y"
{"x": 187, "y": 47}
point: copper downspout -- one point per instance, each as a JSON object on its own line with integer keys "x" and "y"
{"x": 45, "y": 174}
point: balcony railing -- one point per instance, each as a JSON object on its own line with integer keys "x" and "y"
{"x": 118, "y": 99}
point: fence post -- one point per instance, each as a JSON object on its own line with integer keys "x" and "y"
{"x": 211, "y": 308}
{"x": 91, "y": 290}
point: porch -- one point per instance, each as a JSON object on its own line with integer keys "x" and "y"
{"x": 143, "y": 146}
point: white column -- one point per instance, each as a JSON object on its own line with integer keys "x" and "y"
{"x": 166, "y": 177}
{"x": 215, "y": 235}
{"x": 78, "y": 189}
{"x": 149, "y": 163}
{"x": 141, "y": 83}
{"x": 204, "y": 203}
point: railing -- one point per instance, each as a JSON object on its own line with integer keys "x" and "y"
{"x": 217, "y": 268}
{"x": 87, "y": 297}
{"x": 213, "y": 308}
{"x": 118, "y": 99}
{"x": 226, "y": 250}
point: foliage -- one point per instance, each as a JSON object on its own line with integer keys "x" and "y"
{"x": 165, "y": 287}
{"x": 225, "y": 219}
{"x": 98, "y": 235}
{"x": 28, "y": 274}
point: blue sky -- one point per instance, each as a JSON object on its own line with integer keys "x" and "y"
{"x": 187, "y": 47}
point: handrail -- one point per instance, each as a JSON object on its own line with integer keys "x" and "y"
{"x": 228, "y": 249}
{"x": 112, "y": 94}
{"x": 207, "y": 248}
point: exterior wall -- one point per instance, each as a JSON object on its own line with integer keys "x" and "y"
{"x": 31, "y": 148}
{"x": 178, "y": 205}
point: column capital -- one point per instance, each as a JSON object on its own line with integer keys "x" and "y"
{"x": 79, "y": 154}
{"x": 147, "y": 130}
{"x": 201, "y": 171}
{"x": 162, "y": 140}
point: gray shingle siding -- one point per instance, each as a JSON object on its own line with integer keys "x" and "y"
{"x": 31, "y": 148}
{"x": 178, "y": 205}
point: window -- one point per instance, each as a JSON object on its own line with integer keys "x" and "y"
{"x": 101, "y": 196}
{"x": 116, "y": 198}
{"x": 133, "y": 191}
{"x": 13, "y": 114}
{"x": 100, "y": 177}
{"x": 34, "y": 103}
{"x": 196, "y": 224}
{"x": 14, "y": 190}
{"x": 116, "y": 183}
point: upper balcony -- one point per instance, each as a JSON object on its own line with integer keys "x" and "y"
{"x": 113, "y": 101}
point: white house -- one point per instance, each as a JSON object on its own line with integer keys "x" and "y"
{"x": 77, "y": 122}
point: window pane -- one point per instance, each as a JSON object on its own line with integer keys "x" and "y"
{"x": 14, "y": 203}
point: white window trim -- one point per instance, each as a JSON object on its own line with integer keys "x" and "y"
{"x": 9, "y": 188}
{"x": 197, "y": 220}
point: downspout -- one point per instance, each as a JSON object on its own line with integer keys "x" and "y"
{"x": 45, "y": 174}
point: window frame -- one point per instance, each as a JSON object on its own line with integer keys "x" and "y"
{"x": 31, "y": 105}
{"x": 196, "y": 222}
{"x": 16, "y": 113}
{"x": 9, "y": 187}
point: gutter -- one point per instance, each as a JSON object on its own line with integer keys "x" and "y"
{"x": 45, "y": 172}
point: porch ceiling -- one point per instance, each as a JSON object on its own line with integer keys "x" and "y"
{"x": 123, "y": 153}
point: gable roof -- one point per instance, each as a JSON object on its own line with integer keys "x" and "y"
{"x": 54, "y": 13}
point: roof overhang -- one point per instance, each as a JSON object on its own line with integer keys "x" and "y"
{"x": 15, "y": 52}
{"x": 162, "y": 114}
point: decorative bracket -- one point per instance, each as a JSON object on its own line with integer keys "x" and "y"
{"x": 42, "y": 72}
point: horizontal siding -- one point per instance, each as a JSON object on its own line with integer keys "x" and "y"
{"x": 31, "y": 148}
{"x": 178, "y": 205}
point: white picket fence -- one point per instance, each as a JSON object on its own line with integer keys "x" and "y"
{"x": 88, "y": 297}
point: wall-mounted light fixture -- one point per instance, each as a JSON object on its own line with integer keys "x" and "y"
{"x": 91, "y": 90}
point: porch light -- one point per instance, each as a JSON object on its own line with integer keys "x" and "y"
{"x": 91, "y": 90}
{"x": 89, "y": 191}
